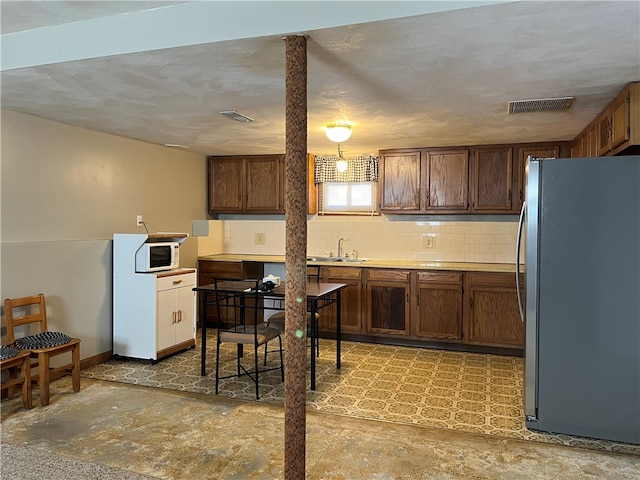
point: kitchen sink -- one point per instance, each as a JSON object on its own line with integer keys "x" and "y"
{"x": 336, "y": 259}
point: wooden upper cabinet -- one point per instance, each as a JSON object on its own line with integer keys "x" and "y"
{"x": 592, "y": 135}
{"x": 264, "y": 184}
{"x": 246, "y": 184}
{"x": 484, "y": 179}
{"x": 447, "y": 180}
{"x": 620, "y": 119}
{"x": 226, "y": 184}
{"x": 400, "y": 181}
{"x": 491, "y": 178}
{"x": 576, "y": 147}
{"x": 603, "y": 125}
{"x": 539, "y": 151}
{"x": 617, "y": 128}
{"x": 614, "y": 124}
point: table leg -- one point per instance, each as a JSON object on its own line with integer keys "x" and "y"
{"x": 338, "y": 329}
{"x": 314, "y": 330}
{"x": 203, "y": 335}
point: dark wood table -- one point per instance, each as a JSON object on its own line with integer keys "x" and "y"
{"x": 319, "y": 296}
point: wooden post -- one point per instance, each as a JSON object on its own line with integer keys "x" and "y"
{"x": 295, "y": 337}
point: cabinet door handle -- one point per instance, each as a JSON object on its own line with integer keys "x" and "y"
{"x": 174, "y": 317}
{"x": 471, "y": 302}
{"x": 177, "y": 282}
{"x": 179, "y": 316}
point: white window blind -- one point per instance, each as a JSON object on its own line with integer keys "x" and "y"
{"x": 347, "y": 198}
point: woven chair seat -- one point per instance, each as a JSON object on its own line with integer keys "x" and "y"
{"x": 42, "y": 340}
{"x": 245, "y": 335}
{"x": 8, "y": 352}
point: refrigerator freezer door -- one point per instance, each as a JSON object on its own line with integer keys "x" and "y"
{"x": 588, "y": 311}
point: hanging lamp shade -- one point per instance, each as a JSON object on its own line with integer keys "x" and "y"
{"x": 338, "y": 132}
{"x": 341, "y": 165}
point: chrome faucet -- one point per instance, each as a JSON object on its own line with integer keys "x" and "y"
{"x": 340, "y": 240}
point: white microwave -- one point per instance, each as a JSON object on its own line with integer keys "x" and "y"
{"x": 157, "y": 256}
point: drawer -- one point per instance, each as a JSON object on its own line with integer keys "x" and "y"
{"x": 176, "y": 281}
{"x": 440, "y": 277}
{"x": 221, "y": 269}
{"x": 388, "y": 275}
{"x": 491, "y": 278}
{"x": 348, "y": 273}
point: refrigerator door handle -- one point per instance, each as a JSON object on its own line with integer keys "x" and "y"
{"x": 518, "y": 245}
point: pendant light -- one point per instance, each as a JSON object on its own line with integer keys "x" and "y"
{"x": 339, "y": 132}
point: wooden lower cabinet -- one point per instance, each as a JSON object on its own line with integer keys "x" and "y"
{"x": 474, "y": 308}
{"x": 437, "y": 311}
{"x": 350, "y": 299}
{"x": 208, "y": 271}
{"x": 387, "y": 301}
{"x": 491, "y": 314}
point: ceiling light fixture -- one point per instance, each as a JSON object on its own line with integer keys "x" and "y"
{"x": 341, "y": 164}
{"x": 338, "y": 132}
{"x": 238, "y": 117}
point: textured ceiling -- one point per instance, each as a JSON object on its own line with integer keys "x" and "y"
{"x": 438, "y": 79}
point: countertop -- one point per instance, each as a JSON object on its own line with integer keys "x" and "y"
{"x": 373, "y": 263}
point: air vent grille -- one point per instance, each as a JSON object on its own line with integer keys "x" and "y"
{"x": 540, "y": 105}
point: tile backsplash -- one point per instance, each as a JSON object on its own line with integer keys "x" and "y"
{"x": 381, "y": 238}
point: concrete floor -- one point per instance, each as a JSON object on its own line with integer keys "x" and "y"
{"x": 178, "y": 435}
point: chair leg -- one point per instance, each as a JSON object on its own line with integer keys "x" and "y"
{"x": 255, "y": 359}
{"x": 43, "y": 379}
{"x": 266, "y": 350}
{"x": 217, "y": 364}
{"x": 75, "y": 372}
{"x": 239, "y": 356}
{"x": 26, "y": 384}
{"x": 281, "y": 358}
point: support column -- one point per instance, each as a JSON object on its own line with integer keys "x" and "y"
{"x": 295, "y": 337}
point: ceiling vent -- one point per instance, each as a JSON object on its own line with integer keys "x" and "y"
{"x": 238, "y": 117}
{"x": 540, "y": 105}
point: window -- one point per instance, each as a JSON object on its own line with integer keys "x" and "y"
{"x": 348, "y": 197}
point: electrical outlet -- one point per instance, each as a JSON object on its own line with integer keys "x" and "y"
{"x": 139, "y": 220}
{"x": 428, "y": 241}
{"x": 259, "y": 239}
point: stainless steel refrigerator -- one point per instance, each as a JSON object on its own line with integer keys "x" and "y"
{"x": 580, "y": 242}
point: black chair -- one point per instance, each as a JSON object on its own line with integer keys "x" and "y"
{"x": 277, "y": 320}
{"x": 238, "y": 305}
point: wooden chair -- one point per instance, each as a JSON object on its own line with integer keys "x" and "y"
{"x": 12, "y": 360}
{"x": 43, "y": 345}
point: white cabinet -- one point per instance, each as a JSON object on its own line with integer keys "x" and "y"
{"x": 175, "y": 310}
{"x": 154, "y": 314}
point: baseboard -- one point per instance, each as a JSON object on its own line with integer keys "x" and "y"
{"x": 95, "y": 360}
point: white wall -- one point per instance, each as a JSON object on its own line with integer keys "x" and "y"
{"x": 65, "y": 191}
